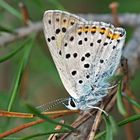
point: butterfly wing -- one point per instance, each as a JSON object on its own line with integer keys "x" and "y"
{"x": 56, "y": 24}
{"x": 92, "y": 55}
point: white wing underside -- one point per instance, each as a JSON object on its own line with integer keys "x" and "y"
{"x": 83, "y": 60}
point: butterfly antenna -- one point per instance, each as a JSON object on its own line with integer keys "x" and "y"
{"x": 48, "y": 106}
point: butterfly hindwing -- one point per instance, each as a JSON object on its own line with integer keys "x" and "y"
{"x": 91, "y": 51}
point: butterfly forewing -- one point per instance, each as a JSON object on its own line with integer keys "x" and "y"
{"x": 56, "y": 24}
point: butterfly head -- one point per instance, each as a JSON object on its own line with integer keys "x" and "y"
{"x": 72, "y": 105}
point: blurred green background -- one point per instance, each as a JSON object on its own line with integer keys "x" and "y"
{"x": 41, "y": 83}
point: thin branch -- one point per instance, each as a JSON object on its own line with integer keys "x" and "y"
{"x": 27, "y": 125}
{"x": 20, "y": 33}
{"x": 127, "y": 19}
{"x": 114, "y": 10}
{"x": 132, "y": 20}
{"x": 58, "y": 127}
{"x": 132, "y": 52}
{"x": 21, "y": 127}
{"x": 28, "y": 115}
{"x": 96, "y": 124}
{"x": 25, "y": 13}
{"x": 129, "y": 132}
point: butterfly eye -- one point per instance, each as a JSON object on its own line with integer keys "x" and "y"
{"x": 72, "y": 103}
{"x": 121, "y": 35}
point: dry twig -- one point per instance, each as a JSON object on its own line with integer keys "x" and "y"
{"x": 132, "y": 20}
{"x": 56, "y": 114}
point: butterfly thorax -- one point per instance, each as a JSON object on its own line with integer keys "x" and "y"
{"x": 87, "y": 101}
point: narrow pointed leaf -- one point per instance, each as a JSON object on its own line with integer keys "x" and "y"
{"x": 14, "y": 52}
{"x": 136, "y": 104}
{"x": 121, "y": 123}
{"x": 36, "y": 112}
{"x": 10, "y": 9}
{"x": 129, "y": 119}
{"x": 120, "y": 104}
{"x": 45, "y": 134}
{"x": 7, "y": 30}
{"x": 19, "y": 73}
{"x": 109, "y": 132}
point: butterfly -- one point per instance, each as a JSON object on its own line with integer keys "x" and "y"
{"x": 86, "y": 55}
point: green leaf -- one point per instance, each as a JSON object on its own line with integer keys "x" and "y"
{"x": 19, "y": 73}
{"x": 14, "y": 52}
{"x": 129, "y": 119}
{"x": 113, "y": 125}
{"x": 44, "y": 134}
{"x": 120, "y": 104}
{"x": 7, "y": 30}
{"x": 136, "y": 104}
{"x": 109, "y": 131}
{"x": 10, "y": 9}
{"x": 101, "y": 134}
{"x": 121, "y": 123}
{"x": 36, "y": 112}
